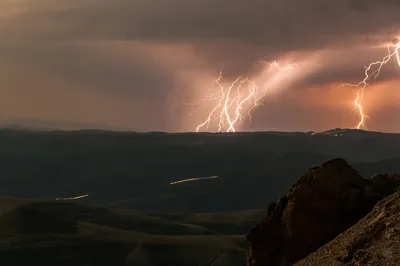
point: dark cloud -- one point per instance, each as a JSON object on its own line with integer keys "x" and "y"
{"x": 347, "y": 75}
{"x": 276, "y": 25}
{"x": 224, "y": 31}
{"x": 89, "y": 66}
{"x": 129, "y": 82}
{"x": 145, "y": 50}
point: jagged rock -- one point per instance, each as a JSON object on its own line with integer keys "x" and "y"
{"x": 321, "y": 204}
{"x": 374, "y": 240}
{"x": 386, "y": 183}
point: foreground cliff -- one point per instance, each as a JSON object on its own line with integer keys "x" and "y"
{"x": 375, "y": 240}
{"x": 322, "y": 204}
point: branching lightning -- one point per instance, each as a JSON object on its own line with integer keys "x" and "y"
{"x": 274, "y": 63}
{"x": 230, "y": 101}
{"x": 234, "y": 101}
{"x": 371, "y": 71}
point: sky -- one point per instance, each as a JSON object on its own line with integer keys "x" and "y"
{"x": 145, "y": 65}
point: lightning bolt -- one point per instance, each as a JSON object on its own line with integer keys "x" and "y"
{"x": 231, "y": 101}
{"x": 274, "y": 63}
{"x": 373, "y": 70}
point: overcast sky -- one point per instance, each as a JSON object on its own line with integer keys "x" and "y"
{"x": 136, "y": 64}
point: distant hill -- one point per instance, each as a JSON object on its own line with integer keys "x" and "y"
{"x": 49, "y": 125}
{"x": 134, "y": 170}
{"x": 49, "y": 233}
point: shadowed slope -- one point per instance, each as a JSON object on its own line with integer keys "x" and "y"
{"x": 54, "y": 233}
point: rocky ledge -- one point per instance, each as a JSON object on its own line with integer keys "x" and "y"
{"x": 322, "y": 204}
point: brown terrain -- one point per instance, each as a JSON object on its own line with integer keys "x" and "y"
{"x": 328, "y": 218}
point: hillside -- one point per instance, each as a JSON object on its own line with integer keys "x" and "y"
{"x": 330, "y": 216}
{"x": 131, "y": 170}
{"x": 51, "y": 233}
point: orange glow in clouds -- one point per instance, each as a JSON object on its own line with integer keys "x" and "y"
{"x": 371, "y": 71}
{"x": 226, "y": 105}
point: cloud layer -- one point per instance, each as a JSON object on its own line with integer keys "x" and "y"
{"x": 131, "y": 63}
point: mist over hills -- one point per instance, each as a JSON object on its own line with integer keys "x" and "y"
{"x": 134, "y": 170}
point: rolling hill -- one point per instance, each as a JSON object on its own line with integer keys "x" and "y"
{"x": 53, "y": 233}
{"x": 131, "y": 170}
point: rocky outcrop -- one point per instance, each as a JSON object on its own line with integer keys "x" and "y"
{"x": 374, "y": 240}
{"x": 386, "y": 184}
{"x": 323, "y": 203}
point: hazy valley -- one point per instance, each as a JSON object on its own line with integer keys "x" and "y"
{"x": 133, "y": 215}
{"x": 134, "y": 170}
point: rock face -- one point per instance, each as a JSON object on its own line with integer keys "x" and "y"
{"x": 374, "y": 240}
{"x": 321, "y": 204}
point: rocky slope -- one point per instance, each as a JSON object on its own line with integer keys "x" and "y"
{"x": 322, "y": 204}
{"x": 375, "y": 240}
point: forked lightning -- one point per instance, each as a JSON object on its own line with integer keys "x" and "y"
{"x": 233, "y": 102}
{"x": 371, "y": 71}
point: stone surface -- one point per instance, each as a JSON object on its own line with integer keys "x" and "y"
{"x": 323, "y": 203}
{"x": 374, "y": 240}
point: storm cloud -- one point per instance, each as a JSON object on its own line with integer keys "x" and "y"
{"x": 130, "y": 63}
